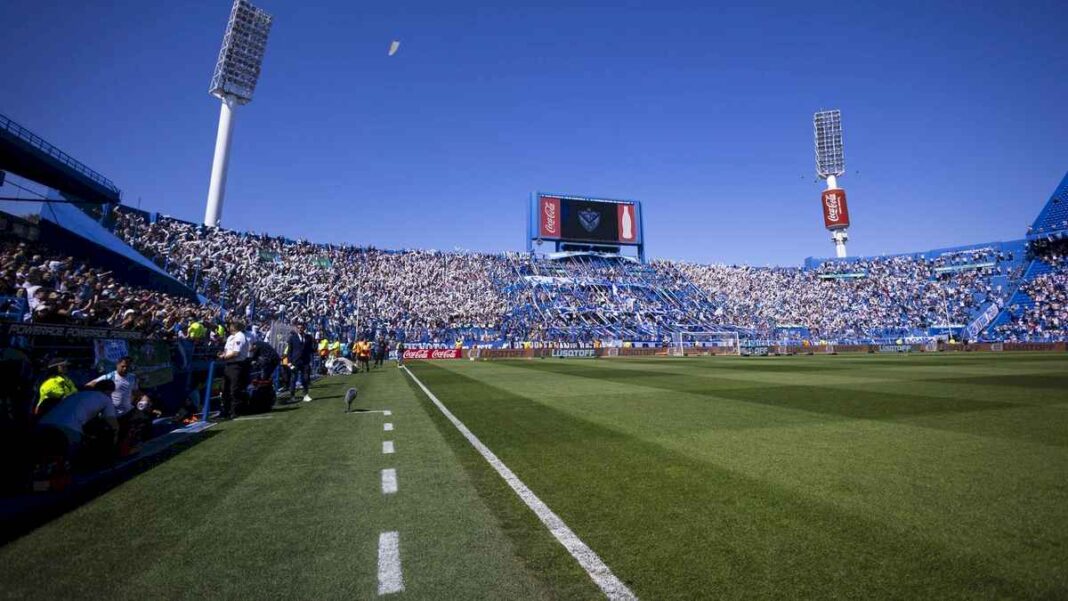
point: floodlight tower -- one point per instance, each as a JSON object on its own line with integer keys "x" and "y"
{"x": 830, "y": 164}
{"x": 236, "y": 74}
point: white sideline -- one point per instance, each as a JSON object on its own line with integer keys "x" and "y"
{"x": 385, "y": 412}
{"x": 597, "y": 570}
{"x": 389, "y": 481}
{"x": 387, "y": 447}
{"x": 390, "y": 579}
{"x": 388, "y": 427}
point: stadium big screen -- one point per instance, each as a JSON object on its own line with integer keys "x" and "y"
{"x": 579, "y": 219}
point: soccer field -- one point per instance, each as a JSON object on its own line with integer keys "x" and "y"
{"x": 922, "y": 476}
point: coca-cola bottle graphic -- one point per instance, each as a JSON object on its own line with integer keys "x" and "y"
{"x": 628, "y": 224}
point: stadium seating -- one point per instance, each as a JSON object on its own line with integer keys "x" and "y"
{"x": 436, "y": 298}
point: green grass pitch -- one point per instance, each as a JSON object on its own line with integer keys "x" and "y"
{"x": 855, "y": 477}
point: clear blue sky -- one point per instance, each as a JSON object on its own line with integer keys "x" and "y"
{"x": 955, "y": 116}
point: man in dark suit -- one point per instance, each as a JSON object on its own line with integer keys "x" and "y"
{"x": 301, "y": 348}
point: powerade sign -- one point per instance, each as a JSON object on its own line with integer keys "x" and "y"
{"x": 574, "y": 353}
{"x": 894, "y": 348}
{"x": 573, "y": 219}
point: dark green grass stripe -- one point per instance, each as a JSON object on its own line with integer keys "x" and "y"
{"x": 674, "y": 527}
{"x": 818, "y": 399}
{"x": 540, "y": 553}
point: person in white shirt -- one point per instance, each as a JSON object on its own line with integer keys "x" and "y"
{"x": 235, "y": 370}
{"x": 78, "y": 409}
{"x": 125, "y": 385}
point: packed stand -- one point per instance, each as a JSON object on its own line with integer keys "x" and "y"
{"x": 423, "y": 296}
{"x": 42, "y": 286}
{"x": 854, "y": 300}
{"x": 1043, "y": 316}
{"x": 582, "y": 297}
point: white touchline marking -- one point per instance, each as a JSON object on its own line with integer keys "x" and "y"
{"x": 597, "y": 570}
{"x": 390, "y": 579}
{"x": 388, "y": 427}
{"x": 389, "y": 481}
{"x": 251, "y": 417}
{"x": 387, "y": 447}
{"x": 385, "y": 412}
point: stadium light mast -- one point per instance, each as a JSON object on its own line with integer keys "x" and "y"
{"x": 830, "y": 165}
{"x": 234, "y": 81}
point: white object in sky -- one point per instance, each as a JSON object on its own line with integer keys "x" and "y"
{"x": 393, "y": 46}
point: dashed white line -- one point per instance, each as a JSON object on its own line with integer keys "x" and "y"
{"x": 596, "y": 568}
{"x": 387, "y": 447}
{"x": 387, "y": 413}
{"x": 388, "y": 427}
{"x": 390, "y": 579}
{"x": 389, "y": 481}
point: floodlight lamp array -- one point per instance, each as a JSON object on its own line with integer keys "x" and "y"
{"x": 241, "y": 55}
{"x": 830, "y": 158}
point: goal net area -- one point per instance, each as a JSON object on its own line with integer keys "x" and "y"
{"x": 705, "y": 343}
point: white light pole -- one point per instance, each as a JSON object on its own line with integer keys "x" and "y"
{"x": 234, "y": 82}
{"x": 830, "y": 163}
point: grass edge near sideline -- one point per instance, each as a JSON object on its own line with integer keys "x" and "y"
{"x": 536, "y": 548}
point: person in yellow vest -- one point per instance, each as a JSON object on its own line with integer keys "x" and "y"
{"x": 459, "y": 345}
{"x": 335, "y": 348}
{"x": 196, "y": 331}
{"x": 53, "y": 390}
{"x": 363, "y": 354}
{"x": 323, "y": 350}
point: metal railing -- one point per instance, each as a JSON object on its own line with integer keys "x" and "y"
{"x": 39, "y": 143}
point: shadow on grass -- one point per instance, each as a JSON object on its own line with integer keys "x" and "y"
{"x": 283, "y": 408}
{"x": 22, "y": 514}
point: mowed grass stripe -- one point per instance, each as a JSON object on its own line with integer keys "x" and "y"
{"x": 286, "y": 508}
{"x": 945, "y": 473}
{"x": 682, "y": 524}
{"x": 817, "y": 399}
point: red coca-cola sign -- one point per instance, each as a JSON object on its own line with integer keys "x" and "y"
{"x": 549, "y": 217}
{"x": 835, "y": 210}
{"x": 428, "y": 353}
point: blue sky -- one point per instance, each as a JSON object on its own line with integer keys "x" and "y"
{"x": 956, "y": 128}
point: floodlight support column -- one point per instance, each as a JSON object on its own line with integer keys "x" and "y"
{"x": 217, "y": 187}
{"x": 839, "y": 237}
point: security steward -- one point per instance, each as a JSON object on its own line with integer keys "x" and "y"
{"x": 235, "y": 370}
{"x": 56, "y": 388}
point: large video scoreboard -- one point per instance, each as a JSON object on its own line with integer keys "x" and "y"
{"x": 582, "y": 219}
{"x": 569, "y": 220}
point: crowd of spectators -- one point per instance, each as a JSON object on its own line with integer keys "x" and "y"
{"x": 869, "y": 298}
{"x": 420, "y": 295}
{"x": 1044, "y": 315}
{"x": 435, "y": 298}
{"x": 39, "y": 285}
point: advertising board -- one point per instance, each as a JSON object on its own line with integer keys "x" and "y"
{"x": 835, "y": 209}
{"x": 574, "y": 353}
{"x": 426, "y": 353}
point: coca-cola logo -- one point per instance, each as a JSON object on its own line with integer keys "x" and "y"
{"x": 831, "y": 202}
{"x": 423, "y": 353}
{"x": 549, "y": 216}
